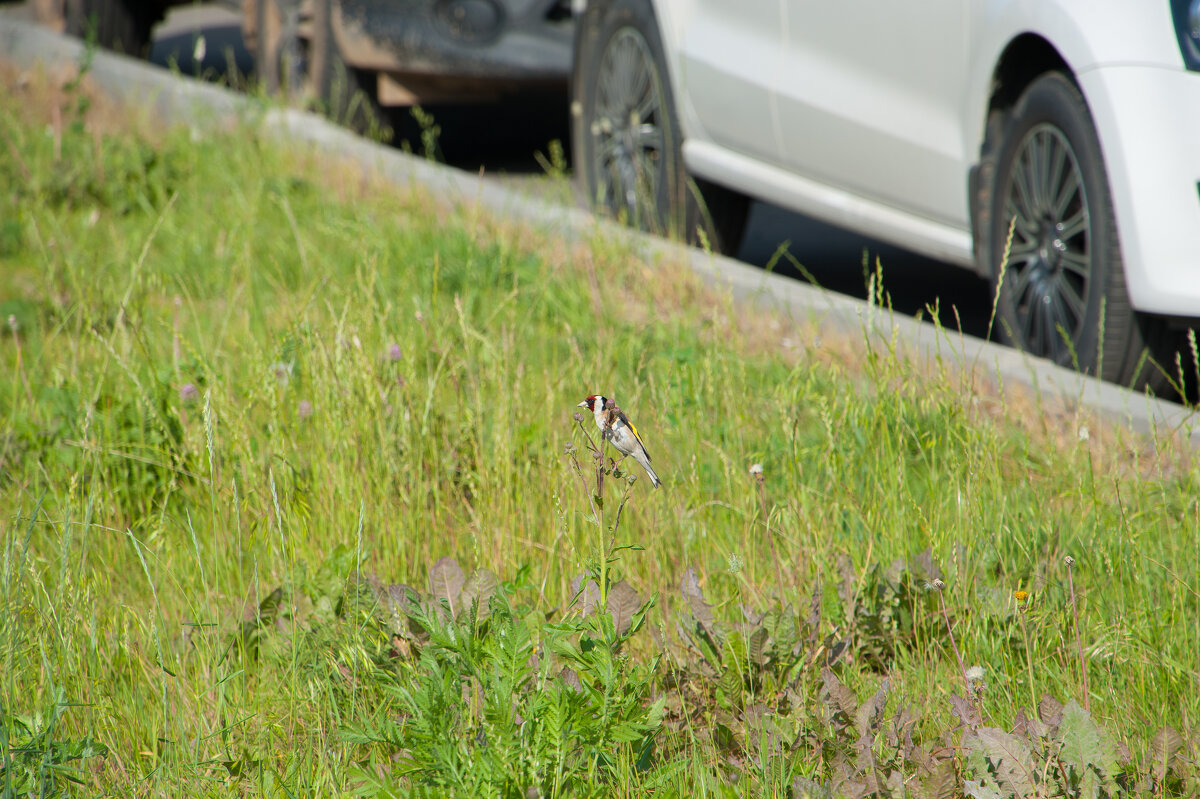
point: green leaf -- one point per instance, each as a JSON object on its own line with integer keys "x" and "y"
{"x": 1084, "y": 744}
{"x": 977, "y": 789}
{"x": 1006, "y": 757}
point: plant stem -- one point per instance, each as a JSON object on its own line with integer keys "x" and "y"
{"x": 962, "y": 667}
{"x": 1078, "y": 640}
{"x": 1028, "y": 662}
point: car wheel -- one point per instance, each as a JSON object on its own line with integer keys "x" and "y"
{"x": 627, "y": 137}
{"x": 280, "y": 51}
{"x": 51, "y": 13}
{"x": 120, "y": 25}
{"x": 1060, "y": 281}
{"x": 347, "y": 94}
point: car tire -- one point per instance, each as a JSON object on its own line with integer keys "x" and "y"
{"x": 346, "y": 94}
{"x": 627, "y": 138}
{"x": 280, "y": 52}
{"x": 120, "y": 25}
{"x": 1060, "y": 281}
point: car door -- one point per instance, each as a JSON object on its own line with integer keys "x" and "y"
{"x": 729, "y": 54}
{"x": 871, "y": 99}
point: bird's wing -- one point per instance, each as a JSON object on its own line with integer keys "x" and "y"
{"x": 625, "y": 420}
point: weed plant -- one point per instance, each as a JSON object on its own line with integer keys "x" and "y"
{"x": 294, "y": 504}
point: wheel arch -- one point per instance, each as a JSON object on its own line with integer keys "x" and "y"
{"x": 1023, "y": 59}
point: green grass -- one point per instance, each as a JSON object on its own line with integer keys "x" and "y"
{"x": 248, "y": 391}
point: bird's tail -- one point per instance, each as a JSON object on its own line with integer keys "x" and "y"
{"x": 653, "y": 477}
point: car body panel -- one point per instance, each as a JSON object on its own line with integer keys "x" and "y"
{"x": 1149, "y": 119}
{"x": 883, "y": 138}
{"x": 728, "y": 48}
{"x": 874, "y": 109}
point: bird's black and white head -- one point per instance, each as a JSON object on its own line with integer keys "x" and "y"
{"x": 598, "y": 405}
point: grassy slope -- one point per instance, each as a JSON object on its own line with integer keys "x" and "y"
{"x": 143, "y": 524}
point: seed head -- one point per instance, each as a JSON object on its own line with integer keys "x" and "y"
{"x": 1070, "y": 561}
{"x": 188, "y": 392}
{"x": 13, "y": 324}
{"x": 577, "y": 416}
{"x": 282, "y": 371}
{"x": 938, "y": 584}
{"x": 394, "y": 353}
{"x": 756, "y": 469}
{"x": 304, "y": 409}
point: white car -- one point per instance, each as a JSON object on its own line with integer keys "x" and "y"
{"x": 1052, "y": 146}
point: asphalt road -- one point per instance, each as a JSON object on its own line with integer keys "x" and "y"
{"x": 516, "y": 131}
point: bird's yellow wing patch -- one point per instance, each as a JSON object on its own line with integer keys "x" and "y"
{"x": 636, "y": 435}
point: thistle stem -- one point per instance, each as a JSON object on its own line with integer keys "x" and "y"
{"x": 1078, "y": 640}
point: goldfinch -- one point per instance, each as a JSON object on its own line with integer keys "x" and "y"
{"x": 619, "y": 431}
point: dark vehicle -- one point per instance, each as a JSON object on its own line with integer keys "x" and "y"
{"x": 407, "y": 52}
{"x": 121, "y": 25}
{"x": 358, "y": 57}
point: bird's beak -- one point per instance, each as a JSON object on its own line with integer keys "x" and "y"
{"x": 582, "y": 404}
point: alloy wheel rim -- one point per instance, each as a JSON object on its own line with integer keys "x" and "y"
{"x": 1050, "y": 259}
{"x": 627, "y": 130}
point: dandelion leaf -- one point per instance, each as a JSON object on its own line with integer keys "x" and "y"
{"x": 446, "y": 581}
{"x": 805, "y": 788}
{"x": 478, "y": 590}
{"x": 1163, "y": 748}
{"x": 694, "y": 597}
{"x": 1086, "y": 748}
{"x": 585, "y": 596}
{"x": 938, "y": 783}
{"x": 1005, "y": 757}
{"x": 965, "y": 711}
{"x": 840, "y": 699}
{"x": 869, "y": 716}
{"x": 978, "y": 789}
{"x": 623, "y": 603}
{"x": 758, "y": 646}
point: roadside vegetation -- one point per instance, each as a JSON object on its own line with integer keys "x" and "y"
{"x": 295, "y": 502}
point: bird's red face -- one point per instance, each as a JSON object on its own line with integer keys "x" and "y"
{"x": 589, "y": 403}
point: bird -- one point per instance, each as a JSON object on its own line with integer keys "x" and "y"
{"x": 619, "y": 431}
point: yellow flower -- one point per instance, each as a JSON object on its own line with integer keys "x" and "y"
{"x": 1021, "y": 596}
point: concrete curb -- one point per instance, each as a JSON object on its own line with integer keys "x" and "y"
{"x": 182, "y": 100}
